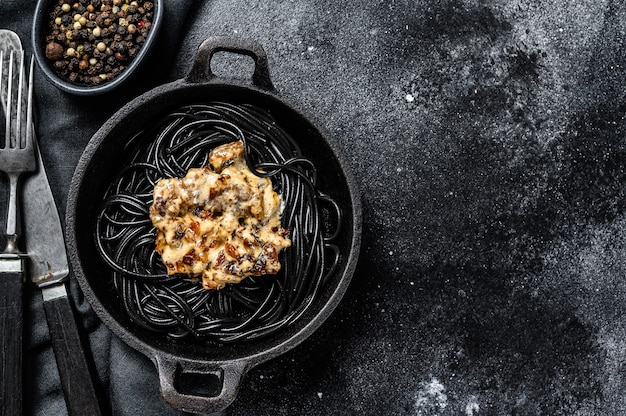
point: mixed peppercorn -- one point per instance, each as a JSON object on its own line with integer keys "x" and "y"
{"x": 93, "y": 41}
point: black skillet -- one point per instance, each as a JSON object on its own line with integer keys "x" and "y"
{"x": 184, "y": 366}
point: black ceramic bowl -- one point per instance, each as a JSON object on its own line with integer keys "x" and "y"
{"x": 40, "y": 30}
{"x": 181, "y": 360}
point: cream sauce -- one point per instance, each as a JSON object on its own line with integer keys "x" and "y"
{"x": 220, "y": 223}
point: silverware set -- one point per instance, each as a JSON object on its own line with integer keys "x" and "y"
{"x": 34, "y": 248}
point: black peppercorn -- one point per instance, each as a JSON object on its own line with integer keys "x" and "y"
{"x": 60, "y": 65}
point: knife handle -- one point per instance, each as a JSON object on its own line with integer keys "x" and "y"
{"x": 11, "y": 304}
{"x": 76, "y": 378}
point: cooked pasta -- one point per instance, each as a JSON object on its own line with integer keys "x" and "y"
{"x": 259, "y": 306}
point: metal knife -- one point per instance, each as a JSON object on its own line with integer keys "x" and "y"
{"x": 49, "y": 269}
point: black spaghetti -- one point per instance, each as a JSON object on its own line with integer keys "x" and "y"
{"x": 259, "y": 306}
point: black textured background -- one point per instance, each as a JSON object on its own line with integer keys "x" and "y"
{"x": 488, "y": 139}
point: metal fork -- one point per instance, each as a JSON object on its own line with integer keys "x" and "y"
{"x": 17, "y": 156}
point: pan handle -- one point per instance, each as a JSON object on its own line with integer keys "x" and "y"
{"x": 185, "y": 385}
{"x": 201, "y": 69}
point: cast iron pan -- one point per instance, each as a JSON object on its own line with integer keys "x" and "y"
{"x": 185, "y": 365}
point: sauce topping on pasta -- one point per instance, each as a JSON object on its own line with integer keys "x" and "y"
{"x": 220, "y": 223}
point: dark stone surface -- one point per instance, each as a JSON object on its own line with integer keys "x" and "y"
{"x": 489, "y": 140}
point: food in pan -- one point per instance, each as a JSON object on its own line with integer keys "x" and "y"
{"x": 177, "y": 304}
{"x": 220, "y": 222}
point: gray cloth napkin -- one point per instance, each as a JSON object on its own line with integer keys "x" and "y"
{"x": 126, "y": 380}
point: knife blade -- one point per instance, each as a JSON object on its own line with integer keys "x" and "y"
{"x": 48, "y": 267}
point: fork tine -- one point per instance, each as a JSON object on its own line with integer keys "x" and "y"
{"x": 4, "y": 140}
{"x": 1, "y": 71}
{"x": 19, "y": 99}
{"x": 9, "y": 112}
{"x": 29, "y": 105}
